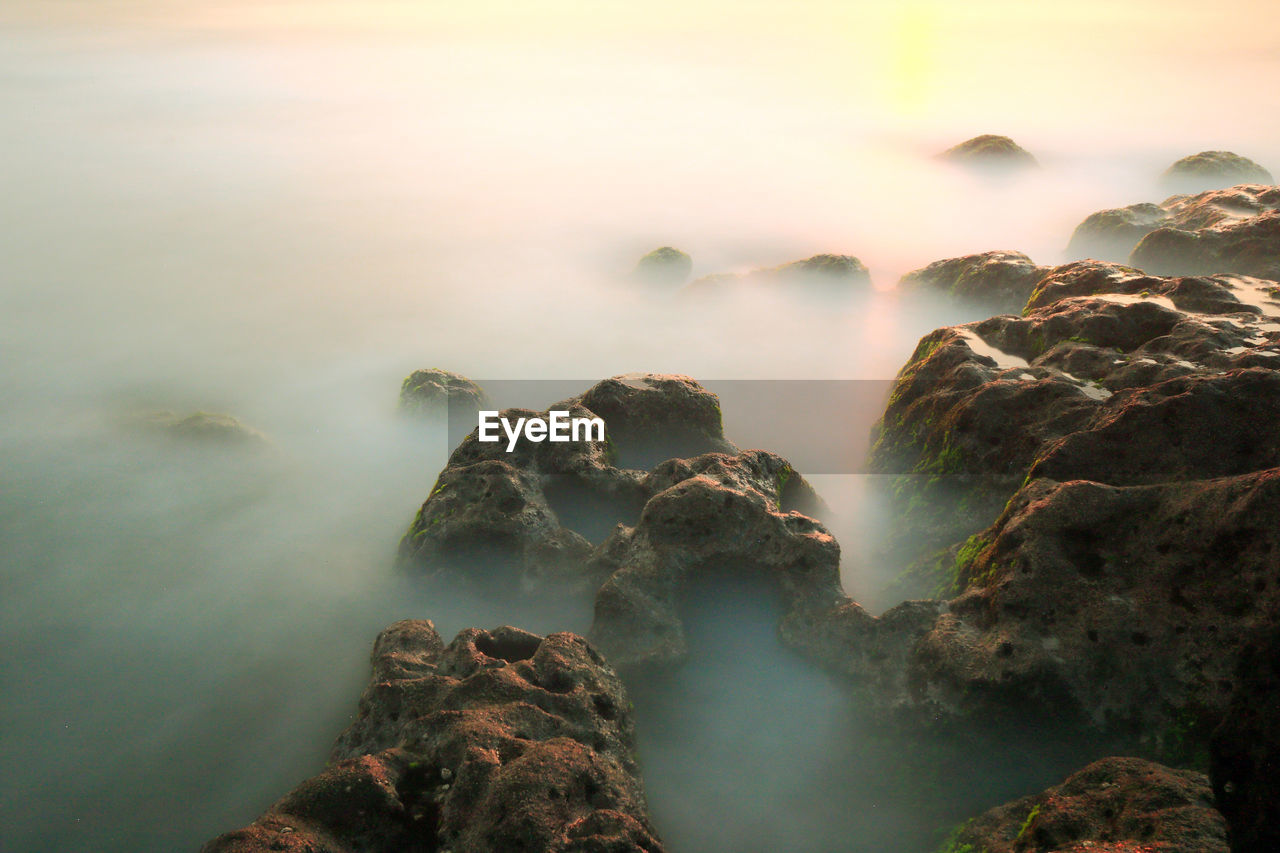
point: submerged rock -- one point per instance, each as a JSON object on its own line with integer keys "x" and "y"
{"x": 1110, "y": 235}
{"x": 1115, "y": 805}
{"x": 1213, "y": 170}
{"x": 439, "y": 391}
{"x": 503, "y": 740}
{"x": 822, "y": 274}
{"x": 1002, "y": 280}
{"x": 989, "y": 151}
{"x": 208, "y": 428}
{"x": 666, "y": 266}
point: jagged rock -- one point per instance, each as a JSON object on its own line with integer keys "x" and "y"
{"x": 503, "y": 740}
{"x": 989, "y": 152}
{"x": 1244, "y": 751}
{"x": 532, "y": 514}
{"x": 1115, "y": 805}
{"x": 1002, "y": 280}
{"x": 1231, "y": 230}
{"x": 434, "y": 390}
{"x": 666, "y": 266}
{"x": 713, "y": 513}
{"x": 823, "y": 274}
{"x": 1213, "y": 170}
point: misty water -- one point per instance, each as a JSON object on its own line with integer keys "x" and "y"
{"x": 279, "y": 210}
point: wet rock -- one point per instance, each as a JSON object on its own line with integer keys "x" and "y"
{"x": 503, "y": 740}
{"x": 978, "y": 405}
{"x": 713, "y": 513}
{"x": 1116, "y": 805}
{"x": 536, "y": 514}
{"x": 1223, "y": 231}
{"x": 1002, "y": 280}
{"x": 989, "y": 152}
{"x": 1213, "y": 170}
{"x": 1244, "y": 751}
{"x": 665, "y": 266}
{"x": 820, "y": 275}
{"x": 1110, "y": 235}
{"x": 441, "y": 391}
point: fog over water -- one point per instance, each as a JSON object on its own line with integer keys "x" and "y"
{"x": 279, "y": 210}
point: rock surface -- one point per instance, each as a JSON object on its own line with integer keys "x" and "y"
{"x": 822, "y": 274}
{"x": 1213, "y": 170}
{"x": 1002, "y": 280}
{"x": 503, "y": 740}
{"x": 1244, "y": 752}
{"x": 989, "y": 151}
{"x": 1118, "y": 585}
{"x": 666, "y": 266}
{"x": 1115, "y": 805}
{"x": 549, "y": 516}
{"x": 434, "y": 390}
{"x": 1235, "y": 230}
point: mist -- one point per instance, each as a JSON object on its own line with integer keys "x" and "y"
{"x": 280, "y": 210}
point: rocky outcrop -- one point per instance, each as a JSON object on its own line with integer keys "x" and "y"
{"x": 989, "y": 152}
{"x": 438, "y": 391}
{"x": 1235, "y": 230}
{"x": 1000, "y": 280}
{"x": 1115, "y": 805}
{"x": 578, "y": 515}
{"x": 820, "y": 274}
{"x": 1213, "y": 170}
{"x": 1244, "y": 751}
{"x": 1119, "y": 583}
{"x": 665, "y": 266}
{"x": 503, "y": 740}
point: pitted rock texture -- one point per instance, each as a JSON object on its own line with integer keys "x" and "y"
{"x": 505, "y": 517}
{"x": 1231, "y": 230}
{"x": 1115, "y": 805}
{"x": 1117, "y": 584}
{"x": 1244, "y": 751}
{"x": 436, "y": 390}
{"x": 1213, "y": 170}
{"x": 820, "y": 274}
{"x": 1002, "y": 280}
{"x": 503, "y": 740}
{"x": 989, "y": 151}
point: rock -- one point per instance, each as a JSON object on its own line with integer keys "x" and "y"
{"x": 665, "y": 266}
{"x": 1118, "y": 583}
{"x": 503, "y": 740}
{"x": 1223, "y": 231}
{"x": 1213, "y": 170}
{"x": 530, "y": 517}
{"x": 1244, "y": 751}
{"x": 1002, "y": 280}
{"x": 1115, "y": 805}
{"x": 208, "y": 428}
{"x": 989, "y": 152}
{"x": 712, "y": 513}
{"x": 1248, "y": 247}
{"x": 1110, "y": 235}
{"x": 819, "y": 275}
{"x": 434, "y": 390}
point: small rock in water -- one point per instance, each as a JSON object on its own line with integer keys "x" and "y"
{"x": 666, "y": 265}
{"x": 1213, "y": 170}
